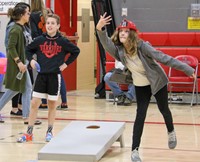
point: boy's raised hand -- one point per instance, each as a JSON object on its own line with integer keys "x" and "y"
{"x": 103, "y": 21}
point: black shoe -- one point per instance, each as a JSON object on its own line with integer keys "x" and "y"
{"x": 1, "y": 120}
{"x": 63, "y": 106}
{"x": 18, "y": 113}
{"x": 127, "y": 102}
{"x": 37, "y": 122}
{"x": 43, "y": 106}
{"x": 20, "y": 110}
{"x": 121, "y": 99}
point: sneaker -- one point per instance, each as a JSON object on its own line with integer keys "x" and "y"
{"x": 49, "y": 136}
{"x": 135, "y": 156}
{"x": 25, "y": 138}
{"x": 172, "y": 141}
{"x": 63, "y": 106}
{"x": 43, "y": 106}
{"x": 121, "y": 99}
{"x": 127, "y": 102}
{"x": 18, "y": 113}
{"x": 37, "y": 122}
{"x": 20, "y": 110}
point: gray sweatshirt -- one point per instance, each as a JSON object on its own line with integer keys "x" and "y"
{"x": 149, "y": 57}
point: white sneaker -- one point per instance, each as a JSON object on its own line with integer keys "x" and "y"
{"x": 49, "y": 136}
{"x": 172, "y": 141}
{"x": 135, "y": 156}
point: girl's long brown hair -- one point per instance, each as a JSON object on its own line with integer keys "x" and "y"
{"x": 38, "y": 5}
{"x": 132, "y": 41}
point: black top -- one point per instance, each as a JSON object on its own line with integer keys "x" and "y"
{"x": 51, "y": 52}
{"x": 37, "y": 24}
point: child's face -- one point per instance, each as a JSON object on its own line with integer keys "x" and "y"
{"x": 123, "y": 34}
{"x": 52, "y": 26}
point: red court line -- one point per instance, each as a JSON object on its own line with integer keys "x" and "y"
{"x": 126, "y": 121}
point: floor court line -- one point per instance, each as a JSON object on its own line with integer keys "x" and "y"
{"x": 126, "y": 121}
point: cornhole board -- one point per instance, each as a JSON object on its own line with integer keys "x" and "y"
{"x": 83, "y": 141}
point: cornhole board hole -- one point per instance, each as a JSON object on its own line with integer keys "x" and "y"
{"x": 83, "y": 141}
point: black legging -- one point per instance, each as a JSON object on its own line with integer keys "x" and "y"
{"x": 143, "y": 96}
{"x": 16, "y": 100}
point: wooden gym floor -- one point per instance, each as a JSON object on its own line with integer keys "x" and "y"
{"x": 83, "y": 106}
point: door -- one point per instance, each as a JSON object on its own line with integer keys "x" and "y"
{"x": 67, "y": 10}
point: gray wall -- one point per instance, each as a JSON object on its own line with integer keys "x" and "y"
{"x": 155, "y": 15}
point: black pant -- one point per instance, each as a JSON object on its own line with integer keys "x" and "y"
{"x": 17, "y": 99}
{"x": 143, "y": 96}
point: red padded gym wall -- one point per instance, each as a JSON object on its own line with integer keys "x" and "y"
{"x": 67, "y": 10}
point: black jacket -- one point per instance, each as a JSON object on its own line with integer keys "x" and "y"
{"x": 51, "y": 52}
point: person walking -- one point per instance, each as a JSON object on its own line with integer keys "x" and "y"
{"x": 16, "y": 100}
{"x": 16, "y": 61}
{"x": 148, "y": 76}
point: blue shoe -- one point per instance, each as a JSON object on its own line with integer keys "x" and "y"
{"x": 49, "y": 136}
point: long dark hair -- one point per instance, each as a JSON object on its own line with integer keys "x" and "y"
{"x": 17, "y": 12}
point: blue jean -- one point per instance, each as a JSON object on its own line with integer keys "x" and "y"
{"x": 1, "y": 80}
{"x": 115, "y": 88}
{"x": 26, "y": 97}
{"x": 63, "y": 92}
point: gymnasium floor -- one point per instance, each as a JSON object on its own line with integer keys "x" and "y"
{"x": 83, "y": 106}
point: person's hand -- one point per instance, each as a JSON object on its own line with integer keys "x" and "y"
{"x": 33, "y": 63}
{"x": 22, "y": 67}
{"x": 63, "y": 67}
{"x": 103, "y": 21}
{"x": 193, "y": 76}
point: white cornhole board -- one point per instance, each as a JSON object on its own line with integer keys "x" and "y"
{"x": 77, "y": 142}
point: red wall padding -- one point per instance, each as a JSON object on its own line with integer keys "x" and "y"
{"x": 171, "y": 43}
{"x": 172, "y": 38}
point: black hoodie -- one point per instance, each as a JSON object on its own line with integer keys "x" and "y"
{"x": 51, "y": 52}
{"x": 37, "y": 24}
